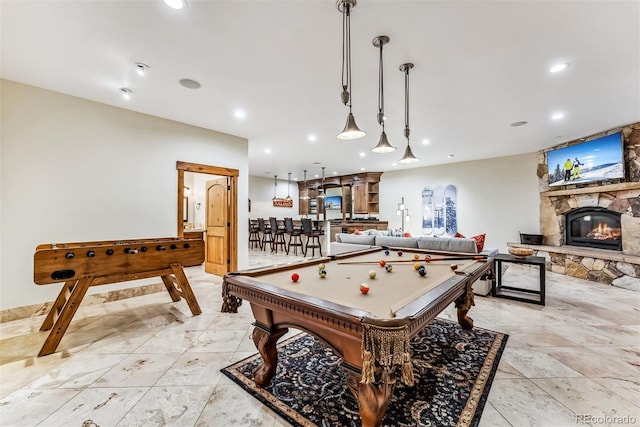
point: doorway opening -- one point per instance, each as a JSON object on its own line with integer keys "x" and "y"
{"x": 220, "y": 215}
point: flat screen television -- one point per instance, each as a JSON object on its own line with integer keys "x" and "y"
{"x": 333, "y": 203}
{"x": 601, "y": 159}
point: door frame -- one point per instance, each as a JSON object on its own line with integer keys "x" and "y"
{"x": 232, "y": 214}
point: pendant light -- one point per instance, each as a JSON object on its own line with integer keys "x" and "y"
{"x": 351, "y": 130}
{"x": 275, "y": 186}
{"x": 383, "y": 145}
{"x": 289, "y": 187}
{"x": 321, "y": 192}
{"x": 408, "y": 154}
{"x": 305, "y": 196}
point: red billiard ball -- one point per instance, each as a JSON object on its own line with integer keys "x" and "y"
{"x": 295, "y": 277}
{"x": 364, "y": 288}
{"x": 383, "y": 263}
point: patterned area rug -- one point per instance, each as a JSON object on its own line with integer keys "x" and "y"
{"x": 453, "y": 370}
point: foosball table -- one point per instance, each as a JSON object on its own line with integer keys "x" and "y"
{"x": 85, "y": 264}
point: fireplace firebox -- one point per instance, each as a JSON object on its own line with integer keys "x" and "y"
{"x": 594, "y": 227}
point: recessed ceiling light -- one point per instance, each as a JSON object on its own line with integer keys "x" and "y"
{"x": 557, "y": 116}
{"x": 316, "y": 176}
{"x": 190, "y": 84}
{"x": 267, "y": 150}
{"x": 425, "y": 141}
{"x": 362, "y": 169}
{"x": 141, "y": 68}
{"x": 394, "y": 164}
{"x": 126, "y": 93}
{"x": 362, "y": 154}
{"x": 311, "y": 138}
{"x": 240, "y": 114}
{"x": 451, "y": 156}
{"x": 559, "y": 67}
{"x": 520, "y": 123}
{"x": 176, "y": 4}
{"x": 335, "y": 173}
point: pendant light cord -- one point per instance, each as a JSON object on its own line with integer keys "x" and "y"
{"x": 346, "y": 53}
{"x": 406, "y": 104}
{"x": 381, "y": 90}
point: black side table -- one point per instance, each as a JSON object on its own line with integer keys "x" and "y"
{"x": 514, "y": 293}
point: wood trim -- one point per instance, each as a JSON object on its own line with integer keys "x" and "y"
{"x": 596, "y": 189}
{"x": 233, "y": 175}
{"x": 211, "y": 170}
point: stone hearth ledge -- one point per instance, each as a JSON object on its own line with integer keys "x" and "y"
{"x": 597, "y": 265}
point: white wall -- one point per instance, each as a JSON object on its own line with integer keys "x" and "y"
{"x": 499, "y": 197}
{"x": 261, "y": 195}
{"x": 75, "y": 170}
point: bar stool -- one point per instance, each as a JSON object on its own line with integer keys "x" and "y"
{"x": 313, "y": 237}
{"x": 278, "y": 235}
{"x": 295, "y": 236}
{"x": 267, "y": 237}
{"x": 254, "y": 235}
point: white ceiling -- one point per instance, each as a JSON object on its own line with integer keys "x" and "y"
{"x": 479, "y": 66}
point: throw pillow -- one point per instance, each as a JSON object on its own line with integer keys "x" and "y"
{"x": 479, "y": 240}
{"x": 406, "y": 234}
{"x": 356, "y": 232}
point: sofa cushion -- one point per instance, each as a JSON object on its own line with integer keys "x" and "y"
{"x": 479, "y": 240}
{"x": 399, "y": 242}
{"x": 448, "y": 244}
{"x": 359, "y": 239}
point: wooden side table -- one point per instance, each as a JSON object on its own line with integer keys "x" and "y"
{"x": 519, "y": 294}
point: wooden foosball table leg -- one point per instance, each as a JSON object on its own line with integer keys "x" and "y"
{"x": 182, "y": 288}
{"x": 62, "y": 312}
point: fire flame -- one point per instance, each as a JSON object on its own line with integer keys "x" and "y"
{"x": 604, "y": 232}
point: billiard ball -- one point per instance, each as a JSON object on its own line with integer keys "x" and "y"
{"x": 422, "y": 272}
{"x": 364, "y": 288}
{"x": 389, "y": 268}
{"x": 416, "y": 257}
{"x": 320, "y": 266}
{"x": 416, "y": 265}
{"x": 399, "y": 253}
{"x": 295, "y": 277}
{"x": 382, "y": 263}
{"x": 372, "y": 274}
{"x": 454, "y": 267}
{"x": 386, "y": 252}
{"x": 322, "y": 273}
{"x": 427, "y": 258}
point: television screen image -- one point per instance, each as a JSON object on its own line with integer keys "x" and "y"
{"x": 333, "y": 203}
{"x": 600, "y": 159}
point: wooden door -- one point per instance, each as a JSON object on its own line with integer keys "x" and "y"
{"x": 217, "y": 218}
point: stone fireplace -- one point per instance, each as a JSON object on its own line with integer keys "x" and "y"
{"x": 592, "y": 231}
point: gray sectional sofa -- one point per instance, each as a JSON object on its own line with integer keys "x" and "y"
{"x": 351, "y": 242}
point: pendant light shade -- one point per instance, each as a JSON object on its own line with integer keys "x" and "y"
{"x": 408, "y": 154}
{"x": 289, "y": 187}
{"x": 351, "y": 129}
{"x": 384, "y": 146}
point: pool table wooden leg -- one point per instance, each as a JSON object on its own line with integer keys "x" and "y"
{"x": 372, "y": 398}
{"x": 265, "y": 340}
{"x": 464, "y": 304}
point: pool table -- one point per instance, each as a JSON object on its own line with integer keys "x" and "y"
{"x": 370, "y": 331}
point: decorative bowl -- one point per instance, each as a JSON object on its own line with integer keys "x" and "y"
{"x": 520, "y": 252}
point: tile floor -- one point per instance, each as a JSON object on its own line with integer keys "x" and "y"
{"x": 146, "y": 361}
